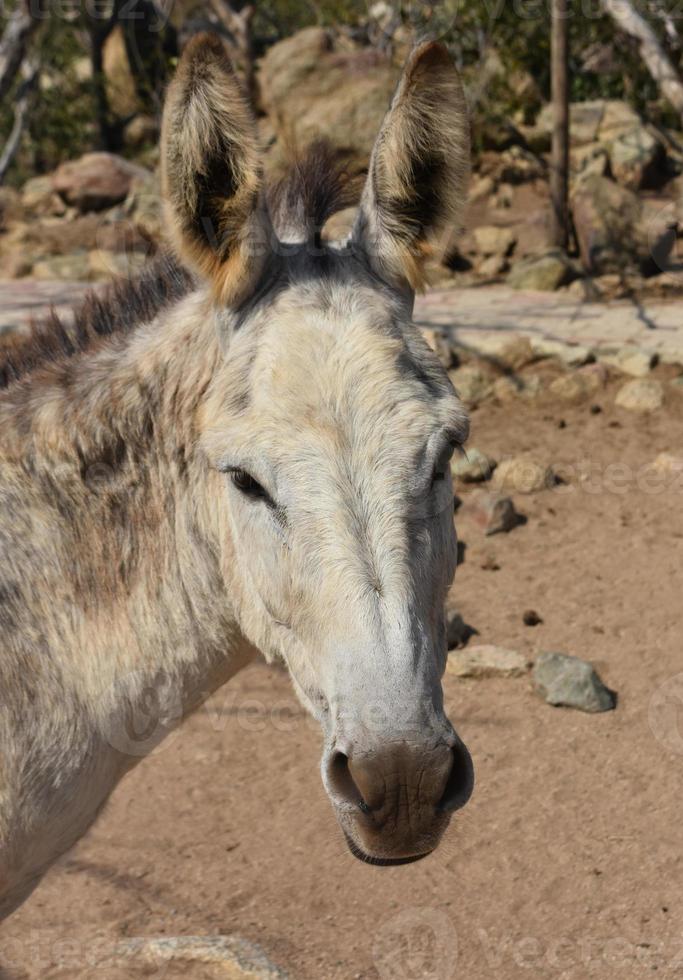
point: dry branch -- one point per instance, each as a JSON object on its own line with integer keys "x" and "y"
{"x": 653, "y": 54}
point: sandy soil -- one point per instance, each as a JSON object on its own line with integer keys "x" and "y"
{"x": 568, "y": 861}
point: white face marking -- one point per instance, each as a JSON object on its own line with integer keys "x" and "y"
{"x": 347, "y": 548}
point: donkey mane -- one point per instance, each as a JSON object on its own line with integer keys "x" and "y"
{"x": 312, "y": 189}
{"x": 120, "y": 308}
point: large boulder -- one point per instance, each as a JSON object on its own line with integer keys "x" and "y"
{"x": 96, "y": 181}
{"x": 615, "y": 230}
{"x": 313, "y": 88}
{"x": 543, "y": 272}
{"x": 611, "y": 130}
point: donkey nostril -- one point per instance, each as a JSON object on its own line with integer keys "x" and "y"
{"x": 460, "y": 782}
{"x": 342, "y": 784}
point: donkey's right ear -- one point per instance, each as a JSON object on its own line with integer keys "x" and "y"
{"x": 211, "y": 172}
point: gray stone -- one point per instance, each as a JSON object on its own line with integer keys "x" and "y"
{"x": 629, "y": 360}
{"x": 492, "y": 512}
{"x": 486, "y": 660}
{"x": 567, "y": 681}
{"x": 471, "y": 384}
{"x": 546, "y": 272}
{"x": 473, "y": 466}
{"x": 493, "y": 240}
{"x": 458, "y": 631}
{"x": 573, "y": 355}
{"x": 523, "y": 474}
{"x": 615, "y": 229}
{"x": 75, "y": 266}
{"x": 641, "y": 395}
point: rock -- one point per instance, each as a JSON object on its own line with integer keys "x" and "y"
{"x": 545, "y": 272}
{"x": 577, "y": 386}
{"x": 486, "y": 660}
{"x": 517, "y": 165}
{"x": 493, "y": 240}
{"x": 594, "y": 121}
{"x": 531, "y": 618}
{"x": 11, "y": 207}
{"x": 516, "y": 353}
{"x": 473, "y": 466}
{"x": 104, "y": 264}
{"x": 571, "y": 682}
{"x": 493, "y": 266}
{"x": 668, "y": 464}
{"x": 492, "y": 512}
{"x": 144, "y": 206}
{"x": 635, "y": 157}
{"x": 313, "y": 88}
{"x": 641, "y": 395}
{"x": 615, "y": 229}
{"x": 75, "y": 266}
{"x": 38, "y": 196}
{"x": 481, "y": 187}
{"x": 458, "y": 632}
{"x": 523, "y": 474}
{"x": 15, "y": 266}
{"x": 231, "y": 957}
{"x": 96, "y": 181}
{"x": 441, "y": 345}
{"x": 471, "y": 384}
{"x": 629, "y": 360}
{"x": 588, "y": 161}
{"x": 573, "y": 355}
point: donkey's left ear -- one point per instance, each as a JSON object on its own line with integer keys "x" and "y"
{"x": 419, "y": 169}
{"x": 211, "y": 172}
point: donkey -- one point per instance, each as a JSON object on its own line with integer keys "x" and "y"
{"x": 245, "y": 451}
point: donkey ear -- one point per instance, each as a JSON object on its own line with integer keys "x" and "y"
{"x": 417, "y": 182}
{"x": 211, "y": 172}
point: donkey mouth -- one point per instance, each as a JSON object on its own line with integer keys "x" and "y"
{"x": 381, "y": 862}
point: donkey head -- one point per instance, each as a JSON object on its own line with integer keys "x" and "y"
{"x": 329, "y": 428}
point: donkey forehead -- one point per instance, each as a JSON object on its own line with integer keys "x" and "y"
{"x": 335, "y": 359}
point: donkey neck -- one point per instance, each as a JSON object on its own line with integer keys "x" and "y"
{"x": 104, "y": 446}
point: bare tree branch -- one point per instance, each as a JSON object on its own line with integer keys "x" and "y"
{"x": 14, "y": 43}
{"x": 657, "y": 61}
{"x": 31, "y": 68}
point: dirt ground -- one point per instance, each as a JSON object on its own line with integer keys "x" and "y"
{"x": 567, "y": 862}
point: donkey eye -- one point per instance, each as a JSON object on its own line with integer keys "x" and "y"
{"x": 443, "y": 463}
{"x": 247, "y": 485}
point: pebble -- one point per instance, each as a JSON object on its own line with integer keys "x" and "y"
{"x": 668, "y": 464}
{"x": 531, "y": 618}
{"x": 577, "y": 386}
{"x": 486, "y": 660}
{"x": 523, "y": 474}
{"x": 458, "y": 632}
{"x": 630, "y": 360}
{"x": 494, "y": 513}
{"x": 473, "y": 466}
{"x": 573, "y": 355}
{"x": 641, "y": 395}
{"x": 471, "y": 384}
{"x": 567, "y": 681}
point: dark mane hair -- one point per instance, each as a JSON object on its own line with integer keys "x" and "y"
{"x": 119, "y": 308}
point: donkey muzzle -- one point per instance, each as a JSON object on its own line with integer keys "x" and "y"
{"x": 395, "y": 800}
